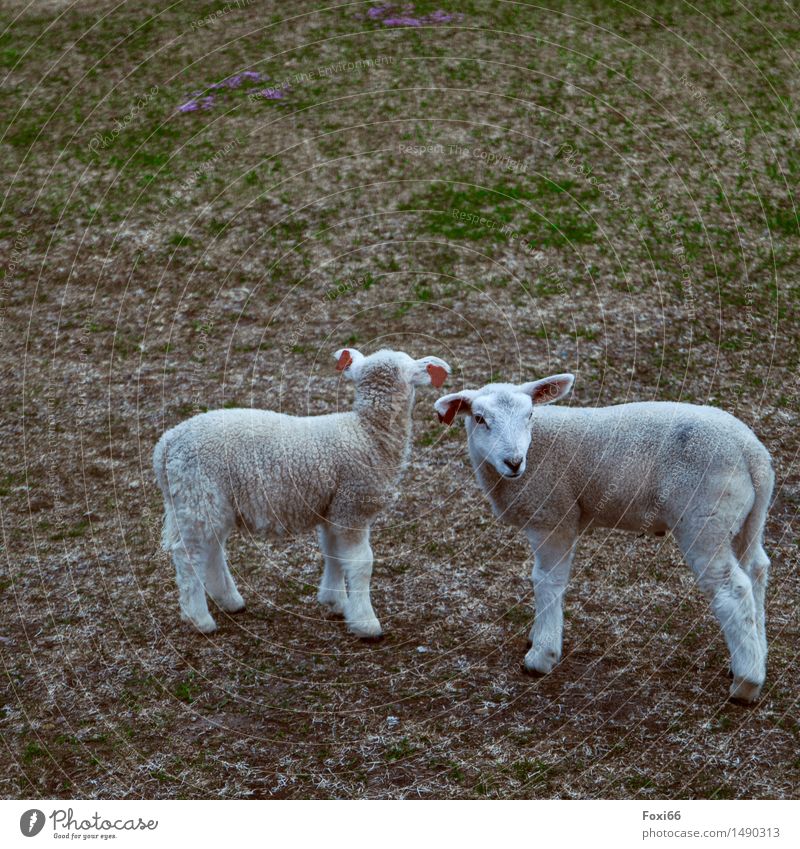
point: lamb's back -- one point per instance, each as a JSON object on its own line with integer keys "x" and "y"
{"x": 648, "y": 432}
{"x": 248, "y": 448}
{"x": 626, "y": 464}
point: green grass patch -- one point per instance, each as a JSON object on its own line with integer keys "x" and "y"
{"x": 537, "y": 211}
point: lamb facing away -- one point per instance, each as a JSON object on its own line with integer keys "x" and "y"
{"x": 695, "y": 471}
{"x": 273, "y": 473}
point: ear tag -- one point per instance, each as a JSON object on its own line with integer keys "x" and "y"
{"x": 438, "y": 375}
{"x": 344, "y": 360}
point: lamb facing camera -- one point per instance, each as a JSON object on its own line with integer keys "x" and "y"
{"x": 276, "y": 474}
{"x": 695, "y": 471}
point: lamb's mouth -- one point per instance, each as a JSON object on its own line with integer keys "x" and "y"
{"x": 511, "y": 475}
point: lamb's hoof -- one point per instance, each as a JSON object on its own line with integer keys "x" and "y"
{"x": 744, "y": 692}
{"x": 528, "y": 644}
{"x": 333, "y": 608}
{"x": 729, "y": 673}
{"x": 367, "y": 631}
{"x": 232, "y": 605}
{"x": 532, "y": 673}
{"x": 205, "y": 624}
{"x": 540, "y": 662}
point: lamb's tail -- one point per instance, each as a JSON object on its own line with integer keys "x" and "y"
{"x": 749, "y": 539}
{"x": 170, "y": 534}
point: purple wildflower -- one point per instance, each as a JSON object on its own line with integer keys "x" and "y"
{"x": 401, "y": 22}
{"x": 394, "y": 15}
{"x": 206, "y": 99}
{"x": 272, "y": 93}
{"x": 442, "y": 17}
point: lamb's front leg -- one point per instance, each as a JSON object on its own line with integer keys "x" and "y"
{"x": 553, "y": 552}
{"x": 332, "y": 590}
{"x": 352, "y": 552}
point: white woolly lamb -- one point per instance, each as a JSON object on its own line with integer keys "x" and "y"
{"x": 273, "y": 473}
{"x": 695, "y": 471}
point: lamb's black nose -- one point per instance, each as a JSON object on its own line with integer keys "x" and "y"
{"x": 513, "y": 465}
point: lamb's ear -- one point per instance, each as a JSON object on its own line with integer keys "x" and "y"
{"x": 457, "y": 404}
{"x": 548, "y": 389}
{"x": 430, "y": 370}
{"x": 349, "y": 361}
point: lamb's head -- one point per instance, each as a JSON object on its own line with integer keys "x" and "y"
{"x": 499, "y": 418}
{"x": 389, "y": 372}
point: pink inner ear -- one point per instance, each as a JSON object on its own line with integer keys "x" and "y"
{"x": 344, "y": 360}
{"x": 452, "y": 411}
{"x": 545, "y": 392}
{"x": 438, "y": 375}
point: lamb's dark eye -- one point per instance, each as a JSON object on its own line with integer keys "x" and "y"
{"x": 480, "y": 420}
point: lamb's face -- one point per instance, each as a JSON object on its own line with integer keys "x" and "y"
{"x": 499, "y": 429}
{"x": 499, "y": 419}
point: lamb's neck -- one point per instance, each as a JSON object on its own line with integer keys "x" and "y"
{"x": 386, "y": 419}
{"x": 492, "y": 483}
{"x": 502, "y": 494}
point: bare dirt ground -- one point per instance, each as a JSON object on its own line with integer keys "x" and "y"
{"x": 596, "y": 187}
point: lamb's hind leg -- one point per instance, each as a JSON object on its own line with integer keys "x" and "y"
{"x": 332, "y": 590}
{"x": 759, "y": 576}
{"x": 219, "y": 581}
{"x": 730, "y": 591}
{"x": 755, "y": 563}
{"x": 191, "y": 558}
{"x": 553, "y": 552}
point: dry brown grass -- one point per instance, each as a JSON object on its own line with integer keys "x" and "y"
{"x": 126, "y": 311}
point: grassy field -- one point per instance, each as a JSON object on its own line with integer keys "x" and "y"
{"x": 201, "y": 202}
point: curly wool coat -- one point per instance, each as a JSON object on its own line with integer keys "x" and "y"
{"x": 278, "y": 474}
